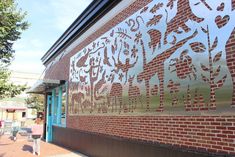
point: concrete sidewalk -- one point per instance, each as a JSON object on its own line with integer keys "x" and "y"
{"x": 69, "y": 155}
{"x": 23, "y": 148}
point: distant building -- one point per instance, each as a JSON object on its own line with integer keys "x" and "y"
{"x": 16, "y": 108}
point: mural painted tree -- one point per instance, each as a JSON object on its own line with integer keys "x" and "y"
{"x": 93, "y": 73}
{"x": 230, "y": 56}
{"x": 199, "y": 47}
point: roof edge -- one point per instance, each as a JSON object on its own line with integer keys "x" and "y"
{"x": 91, "y": 14}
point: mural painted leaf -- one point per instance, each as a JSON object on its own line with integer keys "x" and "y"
{"x": 216, "y": 73}
{"x": 154, "y": 21}
{"x": 220, "y": 83}
{"x": 126, "y": 45}
{"x": 197, "y": 3}
{"x": 170, "y": 4}
{"x": 220, "y": 7}
{"x": 204, "y": 68}
{"x": 144, "y": 9}
{"x": 198, "y": 47}
{"x": 214, "y": 44}
{"x": 205, "y": 79}
{"x": 156, "y": 7}
{"x": 126, "y": 52}
{"x": 217, "y": 57}
{"x": 112, "y": 33}
{"x": 122, "y": 33}
{"x": 113, "y": 49}
{"x": 206, "y": 4}
{"x": 204, "y": 30}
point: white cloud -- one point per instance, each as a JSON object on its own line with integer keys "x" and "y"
{"x": 36, "y": 43}
{"x": 29, "y": 42}
{"x": 27, "y": 66}
{"x": 29, "y": 54}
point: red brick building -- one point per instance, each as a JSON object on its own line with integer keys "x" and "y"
{"x": 144, "y": 78}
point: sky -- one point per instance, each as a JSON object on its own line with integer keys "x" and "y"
{"x": 48, "y": 21}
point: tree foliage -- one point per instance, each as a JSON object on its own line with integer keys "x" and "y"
{"x": 35, "y": 101}
{"x": 11, "y": 26}
{"x": 8, "y": 89}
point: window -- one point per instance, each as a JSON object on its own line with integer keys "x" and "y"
{"x": 59, "y": 103}
{"x": 23, "y": 114}
{"x": 63, "y": 106}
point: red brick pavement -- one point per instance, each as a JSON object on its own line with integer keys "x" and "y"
{"x": 23, "y": 148}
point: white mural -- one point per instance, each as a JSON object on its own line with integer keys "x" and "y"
{"x": 169, "y": 57}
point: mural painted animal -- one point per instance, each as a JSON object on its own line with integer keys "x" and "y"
{"x": 116, "y": 94}
{"x": 184, "y": 13}
{"x": 134, "y": 94}
{"x": 98, "y": 86}
{"x": 106, "y": 58}
{"x": 155, "y": 39}
{"x": 77, "y": 97}
{"x": 134, "y": 24}
{"x": 157, "y": 67}
{"x": 82, "y": 78}
{"x": 82, "y": 61}
{"x": 85, "y": 104}
{"x": 123, "y": 66}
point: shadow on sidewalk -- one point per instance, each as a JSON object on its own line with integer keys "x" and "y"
{"x": 27, "y": 148}
{"x": 5, "y": 144}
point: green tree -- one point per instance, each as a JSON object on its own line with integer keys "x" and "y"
{"x": 11, "y": 26}
{"x": 8, "y": 89}
{"x": 35, "y": 101}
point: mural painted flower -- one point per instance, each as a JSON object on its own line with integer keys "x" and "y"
{"x": 134, "y": 51}
{"x": 138, "y": 36}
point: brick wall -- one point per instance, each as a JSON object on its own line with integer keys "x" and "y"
{"x": 214, "y": 134}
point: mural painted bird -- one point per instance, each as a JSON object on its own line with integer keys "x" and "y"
{"x": 81, "y": 62}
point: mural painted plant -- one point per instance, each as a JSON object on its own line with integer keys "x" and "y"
{"x": 183, "y": 66}
{"x": 157, "y": 68}
{"x": 194, "y": 101}
{"x": 199, "y": 47}
{"x": 174, "y": 89}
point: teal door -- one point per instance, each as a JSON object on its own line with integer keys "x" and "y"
{"x": 49, "y": 119}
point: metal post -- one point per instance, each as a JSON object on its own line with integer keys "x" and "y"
{"x": 59, "y": 106}
{"x": 53, "y": 105}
